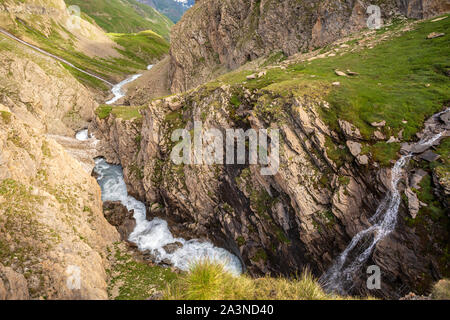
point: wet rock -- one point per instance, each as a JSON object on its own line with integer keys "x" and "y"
{"x": 155, "y": 209}
{"x": 172, "y": 247}
{"x": 131, "y": 245}
{"x": 445, "y": 117}
{"x": 354, "y": 147}
{"x": 148, "y": 255}
{"x": 166, "y": 262}
{"x": 119, "y": 216}
{"x": 429, "y": 156}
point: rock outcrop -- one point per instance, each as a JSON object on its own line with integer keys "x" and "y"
{"x": 52, "y": 229}
{"x": 53, "y": 235}
{"x": 119, "y": 216}
{"x": 216, "y": 36}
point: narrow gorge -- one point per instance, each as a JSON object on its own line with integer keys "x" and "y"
{"x": 94, "y": 206}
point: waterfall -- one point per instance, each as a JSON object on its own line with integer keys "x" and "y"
{"x": 339, "y": 277}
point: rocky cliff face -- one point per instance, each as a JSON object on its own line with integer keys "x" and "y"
{"x": 327, "y": 187}
{"x": 52, "y": 228}
{"x": 41, "y": 92}
{"x": 51, "y": 222}
{"x": 220, "y": 35}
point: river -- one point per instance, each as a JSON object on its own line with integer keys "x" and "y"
{"x": 155, "y": 234}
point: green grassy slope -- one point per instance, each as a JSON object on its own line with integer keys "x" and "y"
{"x": 403, "y": 80}
{"x": 124, "y": 16}
{"x": 142, "y": 47}
{"x": 139, "y": 51}
{"x": 136, "y": 50}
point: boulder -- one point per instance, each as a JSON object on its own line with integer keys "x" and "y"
{"x": 349, "y": 130}
{"x": 416, "y": 178}
{"x": 340, "y": 73}
{"x": 413, "y": 202}
{"x": 429, "y": 156}
{"x": 352, "y": 73}
{"x": 172, "y": 247}
{"x": 392, "y": 139}
{"x": 119, "y": 216}
{"x": 435, "y": 35}
{"x": 362, "y": 159}
{"x": 379, "y": 135}
{"x": 354, "y": 147}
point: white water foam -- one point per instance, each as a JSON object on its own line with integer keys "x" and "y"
{"x": 117, "y": 89}
{"x": 82, "y": 135}
{"x": 155, "y": 234}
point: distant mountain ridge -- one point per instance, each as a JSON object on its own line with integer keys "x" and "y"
{"x": 174, "y": 9}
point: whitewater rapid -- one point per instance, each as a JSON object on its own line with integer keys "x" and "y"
{"x": 155, "y": 234}
{"x": 339, "y": 277}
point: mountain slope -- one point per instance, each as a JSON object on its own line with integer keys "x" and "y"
{"x": 124, "y": 16}
{"x": 83, "y": 43}
{"x": 229, "y": 33}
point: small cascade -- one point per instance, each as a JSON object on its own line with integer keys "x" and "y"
{"x": 117, "y": 89}
{"x": 82, "y": 135}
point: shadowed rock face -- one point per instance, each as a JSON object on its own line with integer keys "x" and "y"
{"x": 119, "y": 216}
{"x": 220, "y": 35}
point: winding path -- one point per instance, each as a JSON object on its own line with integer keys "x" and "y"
{"x": 11, "y": 36}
